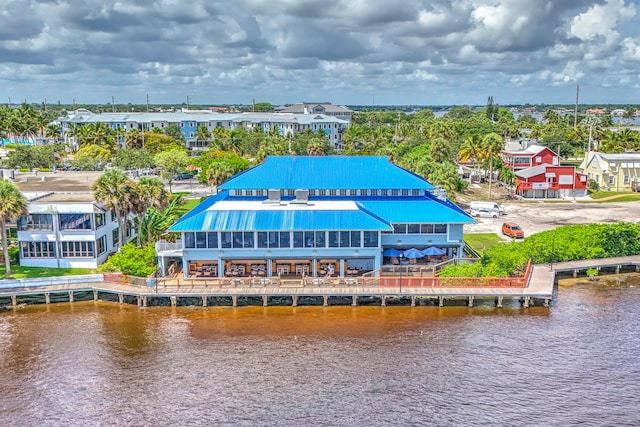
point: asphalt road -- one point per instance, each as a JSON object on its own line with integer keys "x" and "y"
{"x": 535, "y": 217}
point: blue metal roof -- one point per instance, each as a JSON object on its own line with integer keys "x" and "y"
{"x": 326, "y": 172}
{"x": 271, "y": 220}
{"x": 416, "y": 210}
{"x": 204, "y": 205}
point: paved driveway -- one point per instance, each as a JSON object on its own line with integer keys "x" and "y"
{"x": 534, "y": 217}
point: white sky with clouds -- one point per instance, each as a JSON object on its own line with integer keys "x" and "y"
{"x": 425, "y": 52}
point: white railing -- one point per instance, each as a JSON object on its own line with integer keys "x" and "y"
{"x": 163, "y": 245}
{"x": 51, "y": 281}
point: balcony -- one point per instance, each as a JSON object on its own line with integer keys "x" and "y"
{"x": 169, "y": 249}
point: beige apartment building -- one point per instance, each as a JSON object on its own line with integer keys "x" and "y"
{"x": 613, "y": 172}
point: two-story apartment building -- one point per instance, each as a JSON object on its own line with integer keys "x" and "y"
{"x": 301, "y": 214}
{"x": 326, "y": 108}
{"x": 66, "y": 230}
{"x": 613, "y": 172}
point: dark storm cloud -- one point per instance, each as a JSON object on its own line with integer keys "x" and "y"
{"x": 346, "y": 47}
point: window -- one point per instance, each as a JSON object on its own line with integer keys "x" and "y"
{"x": 413, "y": 228}
{"x": 226, "y": 239}
{"x": 384, "y": 193}
{"x": 237, "y": 239}
{"x": 75, "y": 221}
{"x": 102, "y": 245}
{"x": 212, "y": 239}
{"x": 440, "y": 229}
{"x": 100, "y": 220}
{"x": 298, "y": 239}
{"x": 370, "y": 239}
{"x": 37, "y": 250}
{"x": 355, "y": 239}
{"x": 345, "y": 239}
{"x": 400, "y": 228}
{"x": 626, "y": 179}
{"x": 189, "y": 240}
{"x": 201, "y": 240}
{"x": 612, "y": 180}
{"x": 426, "y": 228}
{"x": 36, "y": 222}
{"x": 285, "y": 239}
{"x": 77, "y": 249}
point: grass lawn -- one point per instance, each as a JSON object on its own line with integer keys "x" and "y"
{"x": 18, "y": 272}
{"x": 482, "y": 241}
{"x": 190, "y": 204}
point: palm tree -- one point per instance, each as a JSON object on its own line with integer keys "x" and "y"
{"x": 114, "y": 189}
{"x": 471, "y": 150}
{"x": 218, "y": 173}
{"x": 440, "y": 150}
{"x": 12, "y": 205}
{"x": 202, "y": 136}
{"x": 148, "y": 193}
{"x": 491, "y": 145}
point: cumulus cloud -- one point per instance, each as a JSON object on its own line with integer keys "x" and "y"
{"x": 346, "y": 51}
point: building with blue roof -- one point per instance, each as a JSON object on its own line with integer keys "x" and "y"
{"x": 307, "y": 215}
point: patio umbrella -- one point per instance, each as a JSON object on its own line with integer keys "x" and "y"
{"x": 432, "y": 251}
{"x": 413, "y": 253}
{"x": 392, "y": 252}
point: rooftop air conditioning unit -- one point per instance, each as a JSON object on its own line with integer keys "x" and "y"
{"x": 273, "y": 196}
{"x": 302, "y": 197}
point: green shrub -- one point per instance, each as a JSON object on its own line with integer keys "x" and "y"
{"x": 24, "y": 170}
{"x": 14, "y": 256}
{"x": 132, "y": 260}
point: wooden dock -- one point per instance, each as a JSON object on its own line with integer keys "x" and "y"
{"x": 536, "y": 289}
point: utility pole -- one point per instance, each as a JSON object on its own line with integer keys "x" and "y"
{"x": 575, "y": 111}
{"x": 74, "y": 104}
{"x": 113, "y": 104}
{"x": 147, "y": 103}
{"x": 187, "y": 102}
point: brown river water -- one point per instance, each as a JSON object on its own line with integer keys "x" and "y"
{"x": 100, "y": 363}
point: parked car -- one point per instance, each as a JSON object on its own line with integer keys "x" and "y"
{"x": 512, "y": 230}
{"x": 485, "y": 213}
{"x": 182, "y": 175}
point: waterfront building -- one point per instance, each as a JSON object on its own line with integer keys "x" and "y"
{"x": 613, "y": 172}
{"x": 525, "y": 156}
{"x": 67, "y": 230}
{"x": 307, "y": 216}
{"x": 325, "y": 108}
{"x": 287, "y": 124}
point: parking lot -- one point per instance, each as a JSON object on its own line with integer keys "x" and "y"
{"x": 535, "y": 217}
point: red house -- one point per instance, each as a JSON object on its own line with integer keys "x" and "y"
{"x": 533, "y": 155}
{"x": 550, "y": 182}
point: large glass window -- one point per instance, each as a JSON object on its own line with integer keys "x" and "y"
{"x": 37, "y": 249}
{"x": 212, "y": 239}
{"x": 355, "y": 239}
{"x": 345, "y": 239}
{"x": 285, "y": 239}
{"x": 298, "y": 239}
{"x": 75, "y": 221}
{"x": 248, "y": 239}
{"x": 413, "y": 228}
{"x": 36, "y": 222}
{"x": 334, "y": 239}
{"x": 370, "y": 239}
{"x": 115, "y": 236}
{"x": 426, "y": 228}
{"x": 225, "y": 239}
{"x": 440, "y": 228}
{"x": 189, "y": 240}
{"x": 78, "y": 249}
{"x": 400, "y": 228}
{"x": 201, "y": 240}
{"x": 237, "y": 239}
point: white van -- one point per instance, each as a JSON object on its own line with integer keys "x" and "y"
{"x": 485, "y": 213}
{"x": 490, "y": 206}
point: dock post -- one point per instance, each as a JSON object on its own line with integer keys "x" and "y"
{"x": 354, "y": 300}
{"x": 499, "y": 303}
{"x": 95, "y": 295}
{"x": 525, "y": 302}
{"x": 234, "y": 300}
{"x": 70, "y": 296}
{"x": 325, "y": 300}
{"x": 294, "y": 302}
{"x": 383, "y": 301}
{"x": 617, "y": 269}
{"x": 121, "y": 298}
{"x": 14, "y": 300}
{"x": 139, "y": 299}
{"x": 575, "y": 273}
{"x": 144, "y": 301}
{"x": 440, "y": 301}
{"x": 265, "y": 300}
{"x": 470, "y": 301}
{"x": 637, "y": 268}
{"x": 205, "y": 301}
{"x": 546, "y": 302}
{"x": 174, "y": 301}
{"x": 47, "y": 298}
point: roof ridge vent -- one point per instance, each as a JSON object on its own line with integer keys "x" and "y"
{"x": 302, "y": 196}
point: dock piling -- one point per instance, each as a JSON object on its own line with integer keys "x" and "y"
{"x": 413, "y": 301}
{"x": 205, "y": 301}
{"x": 47, "y": 298}
{"x": 70, "y": 296}
{"x": 354, "y": 300}
{"x": 14, "y": 300}
{"x": 121, "y": 298}
{"x": 174, "y": 301}
{"x": 294, "y": 302}
{"x": 265, "y": 300}
{"x": 470, "y": 301}
{"x": 234, "y": 300}
{"x": 499, "y": 303}
{"x": 325, "y": 300}
{"x": 383, "y": 301}
{"x": 440, "y": 301}
{"x": 95, "y": 295}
